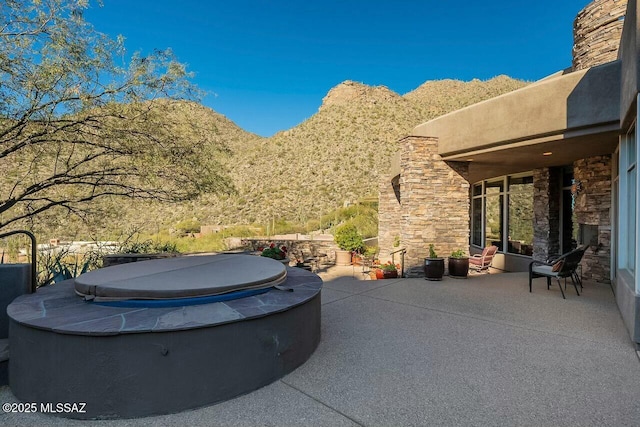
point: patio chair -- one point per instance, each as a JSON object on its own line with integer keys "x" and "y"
{"x": 483, "y": 261}
{"x": 562, "y": 267}
{"x": 368, "y": 262}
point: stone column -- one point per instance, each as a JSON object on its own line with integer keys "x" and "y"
{"x": 597, "y": 30}
{"x": 547, "y": 184}
{"x": 389, "y": 210}
{"x": 434, "y": 198}
{"x": 592, "y": 207}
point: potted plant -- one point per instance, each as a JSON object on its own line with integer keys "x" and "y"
{"x": 275, "y": 252}
{"x": 387, "y": 271}
{"x": 433, "y": 265}
{"x": 459, "y": 264}
{"x": 348, "y": 240}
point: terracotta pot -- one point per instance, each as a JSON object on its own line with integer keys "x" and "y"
{"x": 433, "y": 268}
{"x": 383, "y": 274}
{"x": 459, "y": 267}
{"x": 343, "y": 257}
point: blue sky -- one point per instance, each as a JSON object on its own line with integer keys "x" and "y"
{"x": 267, "y": 64}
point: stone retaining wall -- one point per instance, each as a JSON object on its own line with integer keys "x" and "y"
{"x": 307, "y": 248}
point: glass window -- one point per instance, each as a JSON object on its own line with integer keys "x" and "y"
{"x": 630, "y": 234}
{"x": 476, "y": 224}
{"x": 493, "y": 209}
{"x": 520, "y": 238}
{"x": 494, "y": 220}
{"x": 493, "y": 187}
{"x": 632, "y": 175}
{"x": 567, "y": 176}
{"x": 520, "y": 183}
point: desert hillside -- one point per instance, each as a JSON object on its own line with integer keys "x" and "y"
{"x": 297, "y": 175}
{"x": 337, "y": 154}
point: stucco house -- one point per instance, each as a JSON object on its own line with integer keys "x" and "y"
{"x": 535, "y": 171}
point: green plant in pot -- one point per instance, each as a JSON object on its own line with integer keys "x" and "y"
{"x": 459, "y": 264}
{"x": 348, "y": 240}
{"x": 433, "y": 265}
{"x": 274, "y": 252}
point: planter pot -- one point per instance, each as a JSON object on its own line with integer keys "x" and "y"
{"x": 343, "y": 257}
{"x": 382, "y": 274}
{"x": 390, "y": 274}
{"x": 459, "y": 267}
{"x": 356, "y": 259}
{"x": 433, "y": 268}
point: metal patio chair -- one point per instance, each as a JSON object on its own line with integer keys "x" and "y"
{"x": 562, "y": 267}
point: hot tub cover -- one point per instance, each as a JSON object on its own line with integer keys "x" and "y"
{"x": 182, "y": 277}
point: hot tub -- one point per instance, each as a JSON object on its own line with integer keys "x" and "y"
{"x": 74, "y": 342}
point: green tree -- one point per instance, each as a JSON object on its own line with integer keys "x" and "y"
{"x": 78, "y": 122}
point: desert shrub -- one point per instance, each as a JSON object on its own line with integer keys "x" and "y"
{"x": 148, "y": 246}
{"x": 367, "y": 226}
{"x": 188, "y": 226}
{"x": 348, "y": 238}
{"x": 207, "y": 243}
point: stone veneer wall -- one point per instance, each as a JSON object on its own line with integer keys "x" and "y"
{"x": 389, "y": 210}
{"x": 546, "y": 212}
{"x": 596, "y": 33}
{"x": 593, "y": 207}
{"x": 304, "y": 247}
{"x": 434, "y": 202}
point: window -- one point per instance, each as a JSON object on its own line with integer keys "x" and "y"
{"x": 494, "y": 209}
{"x": 477, "y": 212}
{"x": 520, "y": 215}
{"x": 632, "y": 179}
{"x": 476, "y": 224}
{"x": 503, "y": 204}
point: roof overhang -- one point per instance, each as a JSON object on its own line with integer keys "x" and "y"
{"x": 572, "y": 116}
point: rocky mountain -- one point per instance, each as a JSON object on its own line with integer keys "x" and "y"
{"x": 297, "y": 175}
{"x": 337, "y": 154}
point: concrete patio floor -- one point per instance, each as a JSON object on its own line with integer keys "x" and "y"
{"x": 477, "y": 352}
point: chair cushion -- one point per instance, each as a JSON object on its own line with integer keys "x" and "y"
{"x": 544, "y": 270}
{"x": 475, "y": 261}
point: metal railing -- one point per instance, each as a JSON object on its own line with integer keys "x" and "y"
{"x": 402, "y": 251}
{"x": 34, "y": 248}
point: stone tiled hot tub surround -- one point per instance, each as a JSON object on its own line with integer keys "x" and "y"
{"x": 131, "y": 362}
